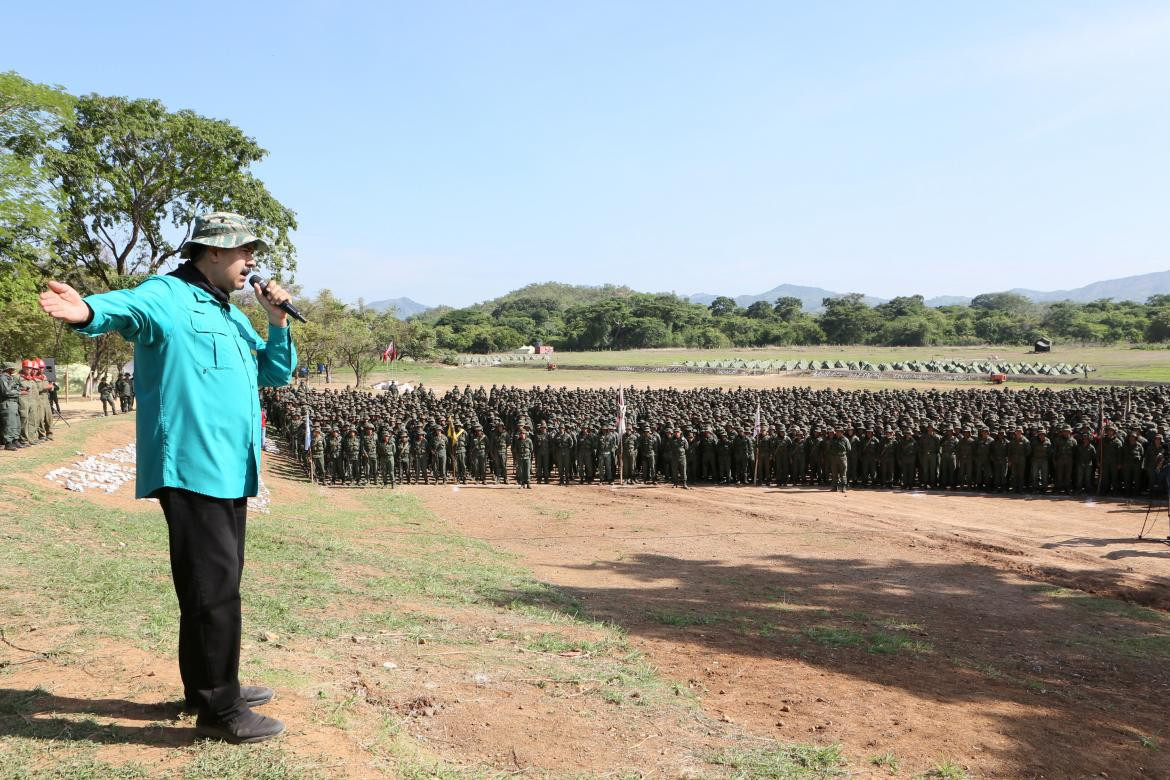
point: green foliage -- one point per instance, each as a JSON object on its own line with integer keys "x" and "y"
{"x": 102, "y": 191}
{"x": 30, "y": 114}
{"x": 614, "y": 318}
{"x": 354, "y": 336}
{"x": 131, "y": 176}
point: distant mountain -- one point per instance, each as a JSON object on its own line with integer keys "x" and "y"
{"x": 403, "y": 307}
{"x": 810, "y": 297}
{"x": 1127, "y": 288}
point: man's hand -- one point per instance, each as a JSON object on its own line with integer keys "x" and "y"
{"x": 271, "y": 301}
{"x": 64, "y": 303}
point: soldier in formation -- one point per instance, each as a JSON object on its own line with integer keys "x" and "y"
{"x": 1028, "y": 441}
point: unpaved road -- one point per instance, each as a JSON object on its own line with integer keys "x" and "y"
{"x": 933, "y": 625}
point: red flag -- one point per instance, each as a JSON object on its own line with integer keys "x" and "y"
{"x": 390, "y": 353}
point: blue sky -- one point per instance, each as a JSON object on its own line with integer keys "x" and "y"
{"x": 452, "y": 151}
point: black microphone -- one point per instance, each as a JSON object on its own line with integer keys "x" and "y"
{"x": 286, "y": 307}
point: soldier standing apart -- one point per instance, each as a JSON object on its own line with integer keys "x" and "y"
{"x": 106, "y": 394}
{"x": 122, "y": 386}
{"x": 217, "y": 412}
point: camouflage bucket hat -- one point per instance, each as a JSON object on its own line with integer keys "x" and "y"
{"x": 222, "y": 230}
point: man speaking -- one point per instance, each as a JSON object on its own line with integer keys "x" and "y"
{"x": 198, "y": 365}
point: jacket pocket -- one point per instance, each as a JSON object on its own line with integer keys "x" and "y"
{"x": 210, "y": 338}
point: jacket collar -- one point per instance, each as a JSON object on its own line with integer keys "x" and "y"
{"x": 188, "y": 273}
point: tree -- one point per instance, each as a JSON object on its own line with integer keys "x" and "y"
{"x": 902, "y": 306}
{"x": 127, "y": 179}
{"x": 760, "y": 310}
{"x": 847, "y": 320}
{"x": 788, "y": 308}
{"x": 30, "y": 114}
{"x": 1159, "y": 327}
{"x": 130, "y": 177}
{"x": 722, "y": 306}
{"x": 1010, "y": 303}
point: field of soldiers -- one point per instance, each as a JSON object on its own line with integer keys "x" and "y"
{"x": 758, "y": 625}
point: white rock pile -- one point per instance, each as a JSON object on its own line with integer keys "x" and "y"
{"x": 107, "y": 471}
{"x": 111, "y": 470}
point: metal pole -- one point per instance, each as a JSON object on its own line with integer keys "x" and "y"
{"x": 621, "y": 456}
{"x": 1100, "y": 444}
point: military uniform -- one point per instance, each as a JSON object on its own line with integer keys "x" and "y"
{"x": 10, "y": 432}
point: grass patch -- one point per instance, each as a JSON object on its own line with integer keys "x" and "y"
{"x": 877, "y": 642}
{"x": 316, "y": 571}
{"x": 946, "y": 770}
{"x": 781, "y": 762}
{"x": 886, "y": 760}
{"x": 684, "y": 619}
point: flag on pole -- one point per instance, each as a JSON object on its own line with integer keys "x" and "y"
{"x": 390, "y": 353}
{"x": 308, "y": 431}
{"x": 621, "y": 420}
{"x": 756, "y": 429}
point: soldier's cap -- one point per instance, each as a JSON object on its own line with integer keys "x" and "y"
{"x": 222, "y": 230}
{"x": 10, "y": 366}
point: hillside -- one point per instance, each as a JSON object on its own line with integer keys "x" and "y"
{"x": 1127, "y": 288}
{"x": 563, "y": 295}
{"x": 403, "y": 307}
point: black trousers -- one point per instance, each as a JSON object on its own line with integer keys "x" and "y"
{"x": 207, "y": 561}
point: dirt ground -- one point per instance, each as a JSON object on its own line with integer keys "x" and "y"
{"x": 1003, "y": 634}
{"x": 715, "y": 583}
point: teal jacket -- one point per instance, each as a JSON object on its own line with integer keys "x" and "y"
{"x": 198, "y": 364}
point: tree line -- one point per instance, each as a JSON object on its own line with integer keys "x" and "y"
{"x": 624, "y": 319}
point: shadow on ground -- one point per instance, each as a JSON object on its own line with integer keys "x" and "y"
{"x": 1086, "y": 673}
